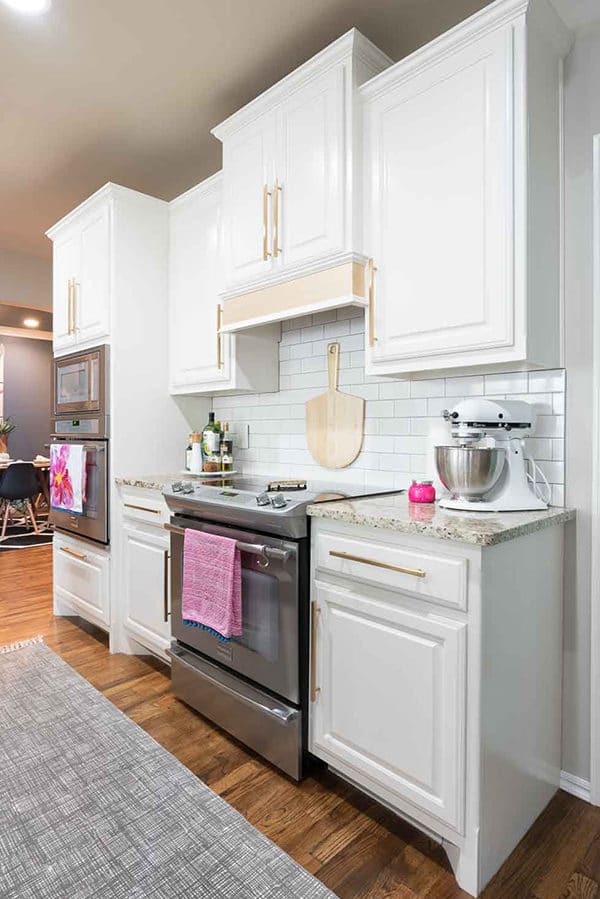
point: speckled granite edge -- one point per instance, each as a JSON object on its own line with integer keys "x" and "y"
{"x": 483, "y": 529}
{"x": 148, "y": 482}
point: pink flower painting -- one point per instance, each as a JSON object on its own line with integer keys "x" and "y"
{"x": 61, "y": 487}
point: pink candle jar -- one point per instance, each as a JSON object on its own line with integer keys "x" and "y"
{"x": 421, "y": 492}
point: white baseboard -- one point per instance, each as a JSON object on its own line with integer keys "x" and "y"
{"x": 577, "y": 786}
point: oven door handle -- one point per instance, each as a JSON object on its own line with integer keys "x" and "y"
{"x": 258, "y": 549}
{"x": 282, "y": 715}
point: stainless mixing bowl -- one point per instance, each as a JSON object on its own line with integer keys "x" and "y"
{"x": 469, "y": 471}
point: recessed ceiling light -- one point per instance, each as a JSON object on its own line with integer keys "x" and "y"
{"x": 31, "y": 322}
{"x": 29, "y": 7}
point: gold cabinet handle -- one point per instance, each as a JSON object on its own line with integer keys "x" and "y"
{"x": 266, "y": 195}
{"x": 70, "y": 307}
{"x": 415, "y": 572}
{"x": 372, "y": 270}
{"x": 314, "y": 621}
{"x": 166, "y": 584}
{"x": 74, "y": 286}
{"x": 141, "y": 508}
{"x": 71, "y": 552}
{"x": 219, "y": 336}
{"x": 276, "y": 192}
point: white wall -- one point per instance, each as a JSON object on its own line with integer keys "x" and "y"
{"x": 582, "y": 121}
{"x": 25, "y": 280}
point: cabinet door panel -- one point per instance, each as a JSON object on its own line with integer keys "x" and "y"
{"x": 390, "y": 711}
{"x": 145, "y": 579}
{"x": 93, "y": 291}
{"x": 311, "y": 168}
{"x": 195, "y": 275}
{"x": 81, "y": 578}
{"x": 441, "y": 206}
{"x": 65, "y": 268}
{"x": 248, "y": 167}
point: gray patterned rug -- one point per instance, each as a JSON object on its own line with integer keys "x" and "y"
{"x": 91, "y": 806}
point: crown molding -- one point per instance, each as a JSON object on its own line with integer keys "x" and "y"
{"x": 106, "y": 193}
{"x": 210, "y": 185}
{"x": 497, "y": 15}
{"x": 351, "y": 45}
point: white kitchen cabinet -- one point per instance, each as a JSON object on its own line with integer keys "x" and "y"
{"x": 247, "y": 198}
{"x": 310, "y": 170}
{"x": 462, "y": 211}
{"x": 291, "y": 206}
{"x": 392, "y": 698}
{"x": 81, "y": 278}
{"x": 145, "y": 586}
{"x": 81, "y": 580}
{"x": 435, "y": 680}
{"x": 142, "y": 550}
{"x": 201, "y": 358}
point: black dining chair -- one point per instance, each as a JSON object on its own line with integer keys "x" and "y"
{"x": 20, "y": 482}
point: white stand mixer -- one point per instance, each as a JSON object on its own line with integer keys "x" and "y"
{"x": 486, "y": 470}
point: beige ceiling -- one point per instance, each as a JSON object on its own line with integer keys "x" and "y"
{"x": 127, "y": 90}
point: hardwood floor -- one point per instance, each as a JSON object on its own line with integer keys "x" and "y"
{"x": 348, "y": 841}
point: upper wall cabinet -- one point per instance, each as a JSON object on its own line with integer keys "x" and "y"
{"x": 201, "y": 358}
{"x": 462, "y": 197}
{"x": 81, "y": 276}
{"x": 100, "y": 251}
{"x": 291, "y": 202}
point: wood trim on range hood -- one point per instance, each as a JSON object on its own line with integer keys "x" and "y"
{"x": 332, "y": 288}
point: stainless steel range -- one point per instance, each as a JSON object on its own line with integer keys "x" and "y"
{"x": 256, "y": 686}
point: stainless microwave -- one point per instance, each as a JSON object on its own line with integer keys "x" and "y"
{"x": 80, "y": 384}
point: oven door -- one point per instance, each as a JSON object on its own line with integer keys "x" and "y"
{"x": 267, "y": 653}
{"x": 79, "y": 383}
{"x": 93, "y": 523}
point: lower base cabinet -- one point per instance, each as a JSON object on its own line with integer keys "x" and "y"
{"x": 81, "y": 580}
{"x": 145, "y": 586}
{"x": 391, "y": 708}
{"x": 435, "y": 681}
{"x": 142, "y": 575}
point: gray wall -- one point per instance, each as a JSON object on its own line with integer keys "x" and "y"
{"x": 27, "y": 379}
{"x": 582, "y": 121}
{"x": 25, "y": 279}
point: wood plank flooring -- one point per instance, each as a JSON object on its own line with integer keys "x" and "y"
{"x": 358, "y": 849}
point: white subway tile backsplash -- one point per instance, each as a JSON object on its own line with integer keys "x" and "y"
{"x": 400, "y": 414}
{"x": 394, "y": 390}
{"x": 434, "y": 387}
{"x": 472, "y": 385}
{"x": 506, "y": 383}
{"x": 546, "y": 381}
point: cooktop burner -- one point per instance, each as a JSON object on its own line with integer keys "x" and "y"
{"x": 258, "y": 503}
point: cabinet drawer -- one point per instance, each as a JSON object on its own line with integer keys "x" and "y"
{"x": 81, "y": 578}
{"x": 150, "y": 510}
{"x": 435, "y": 577}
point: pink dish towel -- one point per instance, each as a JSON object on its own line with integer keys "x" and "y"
{"x": 212, "y": 584}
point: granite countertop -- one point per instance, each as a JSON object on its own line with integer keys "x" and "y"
{"x": 151, "y": 481}
{"x": 395, "y": 513}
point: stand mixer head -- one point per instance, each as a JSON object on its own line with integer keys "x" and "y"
{"x": 486, "y": 469}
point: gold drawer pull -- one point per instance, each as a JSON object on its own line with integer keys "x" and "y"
{"x": 276, "y": 191}
{"x": 142, "y": 508}
{"x": 71, "y": 552}
{"x": 266, "y": 195}
{"x": 372, "y": 270}
{"x": 219, "y": 336}
{"x": 415, "y": 572}
{"x": 314, "y": 620}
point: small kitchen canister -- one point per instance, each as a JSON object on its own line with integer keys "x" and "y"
{"x": 421, "y": 492}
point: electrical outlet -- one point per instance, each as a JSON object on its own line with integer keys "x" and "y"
{"x": 241, "y": 437}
